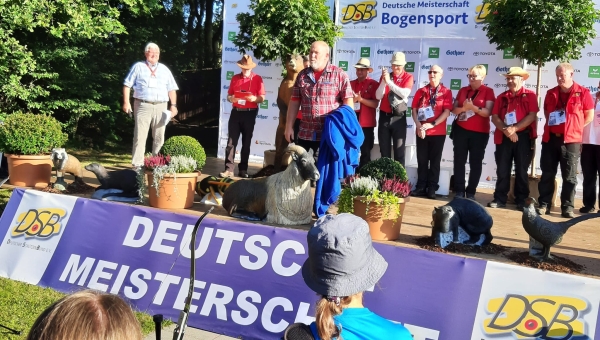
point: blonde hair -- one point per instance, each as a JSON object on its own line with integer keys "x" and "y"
{"x": 479, "y": 69}
{"x": 326, "y": 310}
{"x": 565, "y": 66}
{"x": 88, "y": 314}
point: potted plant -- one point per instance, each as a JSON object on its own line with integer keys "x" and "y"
{"x": 171, "y": 181}
{"x": 27, "y": 139}
{"x": 378, "y": 195}
{"x": 185, "y": 146}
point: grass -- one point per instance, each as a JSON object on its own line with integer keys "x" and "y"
{"x": 21, "y": 303}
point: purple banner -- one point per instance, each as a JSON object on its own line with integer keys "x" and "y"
{"x": 248, "y": 279}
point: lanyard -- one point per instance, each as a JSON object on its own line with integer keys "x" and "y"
{"x": 433, "y": 97}
{"x": 249, "y": 83}
{"x": 563, "y": 105}
{"x": 152, "y": 72}
{"x": 474, "y": 96}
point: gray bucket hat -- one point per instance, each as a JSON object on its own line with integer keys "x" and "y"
{"x": 341, "y": 258}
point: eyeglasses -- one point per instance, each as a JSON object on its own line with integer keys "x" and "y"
{"x": 434, "y": 72}
{"x": 472, "y": 76}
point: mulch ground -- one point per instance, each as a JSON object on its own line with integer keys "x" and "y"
{"x": 74, "y": 188}
{"x": 428, "y": 243}
{"x": 557, "y": 264}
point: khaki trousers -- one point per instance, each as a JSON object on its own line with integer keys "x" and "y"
{"x": 147, "y": 115}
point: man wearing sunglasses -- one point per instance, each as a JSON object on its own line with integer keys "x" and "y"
{"x": 513, "y": 114}
{"x": 431, "y": 107}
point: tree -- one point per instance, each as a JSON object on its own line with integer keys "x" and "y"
{"x": 278, "y": 28}
{"x": 541, "y": 31}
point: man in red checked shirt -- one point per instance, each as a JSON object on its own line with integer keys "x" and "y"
{"x": 246, "y": 91}
{"x": 319, "y": 90}
{"x": 431, "y": 107}
{"x": 392, "y": 121}
{"x": 513, "y": 114}
{"x": 568, "y": 107}
{"x": 365, "y": 104}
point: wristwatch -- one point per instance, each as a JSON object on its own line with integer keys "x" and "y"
{"x": 478, "y": 109}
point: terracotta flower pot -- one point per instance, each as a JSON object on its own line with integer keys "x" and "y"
{"x": 174, "y": 193}
{"x": 382, "y": 226}
{"x": 29, "y": 170}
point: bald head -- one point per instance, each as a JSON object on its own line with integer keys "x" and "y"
{"x": 319, "y": 55}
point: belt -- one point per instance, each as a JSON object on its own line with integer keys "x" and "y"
{"x": 402, "y": 114}
{"x": 148, "y": 102}
{"x": 245, "y": 108}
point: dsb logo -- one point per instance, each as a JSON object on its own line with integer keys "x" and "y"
{"x": 42, "y": 223}
{"x": 536, "y": 316}
{"x": 362, "y": 11}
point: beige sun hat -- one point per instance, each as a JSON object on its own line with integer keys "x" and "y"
{"x": 364, "y": 63}
{"x": 516, "y": 71}
{"x": 398, "y": 58}
{"x": 246, "y": 62}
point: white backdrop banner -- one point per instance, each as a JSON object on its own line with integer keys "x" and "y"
{"x": 446, "y": 33}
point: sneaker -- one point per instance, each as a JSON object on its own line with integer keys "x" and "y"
{"x": 542, "y": 209}
{"x": 585, "y": 210}
{"x": 520, "y": 206}
{"x": 243, "y": 174}
{"x": 431, "y": 193}
{"x": 471, "y": 196}
{"x": 496, "y": 204}
{"x": 419, "y": 192}
{"x": 226, "y": 174}
{"x": 459, "y": 194}
{"x": 567, "y": 214}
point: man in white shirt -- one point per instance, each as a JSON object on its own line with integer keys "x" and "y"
{"x": 590, "y": 160}
{"x": 153, "y": 87}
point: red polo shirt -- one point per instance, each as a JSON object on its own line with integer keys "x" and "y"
{"x": 367, "y": 89}
{"x": 404, "y": 80}
{"x": 240, "y": 85}
{"x": 443, "y": 101}
{"x": 575, "y": 102}
{"x": 523, "y": 102}
{"x": 479, "y": 97}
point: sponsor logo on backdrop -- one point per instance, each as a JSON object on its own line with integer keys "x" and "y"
{"x": 481, "y": 11}
{"x": 365, "y": 52}
{"x": 409, "y": 112}
{"x": 231, "y": 35}
{"x": 502, "y": 69}
{"x": 403, "y": 21}
{"x": 409, "y": 126}
{"x": 455, "y": 84}
{"x": 229, "y": 75}
{"x": 499, "y": 85}
{"x": 535, "y": 70}
{"x": 264, "y": 64}
{"x": 229, "y": 62}
{"x": 225, "y": 87}
{"x": 267, "y": 77}
{"x": 487, "y": 71}
{"x": 385, "y": 52}
{"x": 234, "y": 5}
{"x": 278, "y": 64}
{"x": 452, "y": 68}
{"x": 434, "y": 52}
{"x": 275, "y": 118}
{"x": 261, "y": 142}
{"x": 593, "y": 54}
{"x": 532, "y": 86}
{"x": 593, "y": 88}
{"x": 345, "y": 51}
{"x": 231, "y": 49}
{"x": 411, "y": 52}
{"x": 482, "y": 54}
{"x": 40, "y": 222}
{"x": 274, "y": 105}
{"x": 261, "y": 117}
{"x": 359, "y": 12}
{"x": 343, "y": 65}
{"x": 448, "y": 130}
{"x": 508, "y": 54}
{"x": 537, "y": 316}
{"x": 264, "y": 104}
{"x": 425, "y": 67}
{"x": 455, "y": 52}
{"x": 594, "y": 72}
{"x": 410, "y": 66}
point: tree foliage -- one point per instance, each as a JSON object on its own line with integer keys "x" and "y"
{"x": 277, "y": 28}
{"x": 541, "y": 31}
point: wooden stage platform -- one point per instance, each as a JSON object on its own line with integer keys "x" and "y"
{"x": 581, "y": 244}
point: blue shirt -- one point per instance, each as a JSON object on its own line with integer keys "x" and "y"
{"x": 362, "y": 324}
{"x": 140, "y": 78}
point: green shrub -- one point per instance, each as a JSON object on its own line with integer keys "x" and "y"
{"x": 384, "y": 167}
{"x": 185, "y": 146}
{"x": 30, "y": 134}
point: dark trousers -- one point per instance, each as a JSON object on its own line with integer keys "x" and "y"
{"x": 367, "y": 145}
{"x": 471, "y": 145}
{"x": 240, "y": 122}
{"x": 505, "y": 154}
{"x": 590, "y": 166}
{"x": 392, "y": 129}
{"x": 429, "y": 156}
{"x": 556, "y": 152}
{"x": 296, "y": 130}
{"x": 3, "y": 167}
{"x": 310, "y": 144}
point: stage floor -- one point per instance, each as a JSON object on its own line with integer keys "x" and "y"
{"x": 581, "y": 244}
